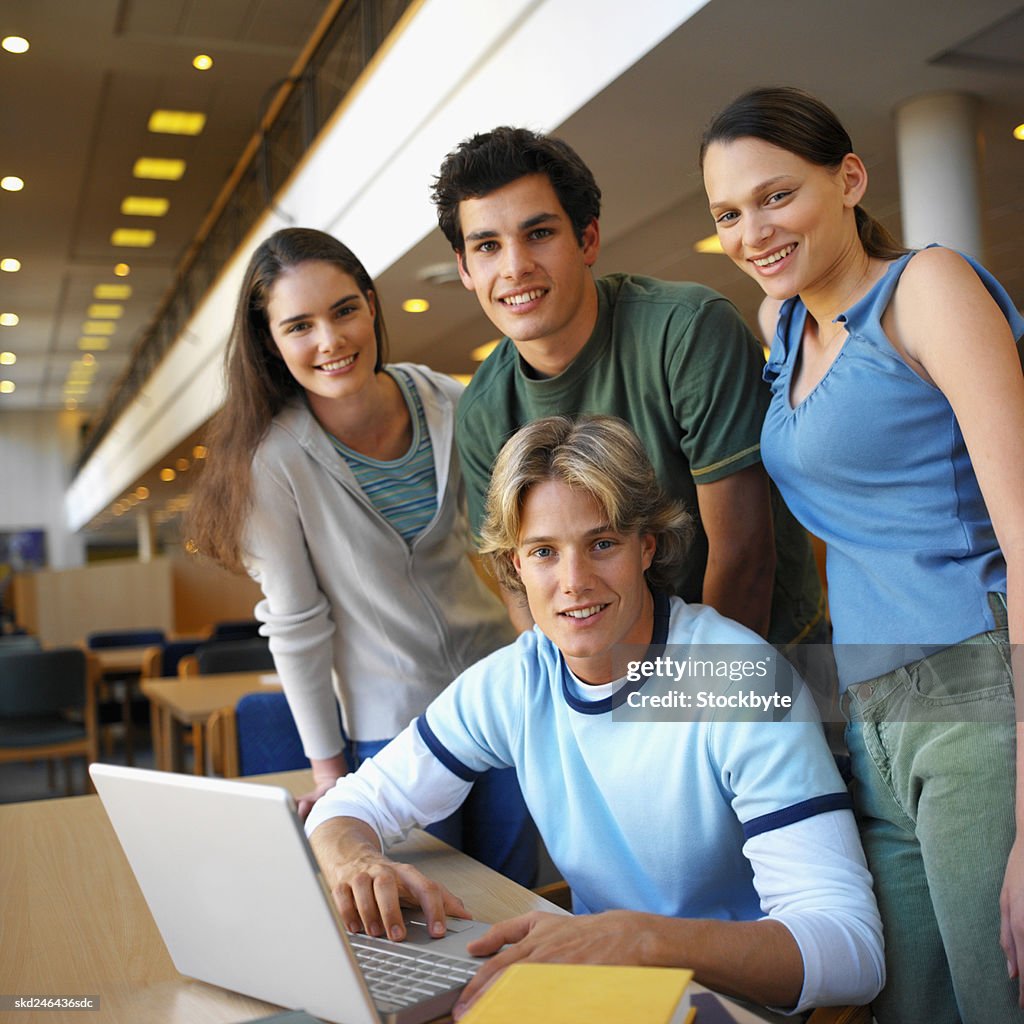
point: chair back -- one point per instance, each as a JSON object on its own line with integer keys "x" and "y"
{"x": 19, "y": 642}
{"x": 235, "y": 656}
{"x": 126, "y": 638}
{"x": 242, "y": 629}
{"x": 173, "y": 651}
{"x": 268, "y": 740}
{"x": 36, "y": 683}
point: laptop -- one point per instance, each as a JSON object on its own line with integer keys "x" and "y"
{"x": 237, "y": 895}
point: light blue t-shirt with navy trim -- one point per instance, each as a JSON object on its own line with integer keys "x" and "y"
{"x": 642, "y": 788}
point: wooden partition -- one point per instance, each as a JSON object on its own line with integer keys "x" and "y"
{"x": 62, "y": 606}
{"x": 180, "y": 595}
{"x": 204, "y": 594}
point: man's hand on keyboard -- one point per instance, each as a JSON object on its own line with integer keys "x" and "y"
{"x": 368, "y": 888}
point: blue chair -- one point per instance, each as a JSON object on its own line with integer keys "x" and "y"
{"x": 162, "y": 660}
{"x": 125, "y": 638}
{"x": 242, "y": 629}
{"x": 48, "y": 707}
{"x": 251, "y": 655}
{"x": 257, "y": 736}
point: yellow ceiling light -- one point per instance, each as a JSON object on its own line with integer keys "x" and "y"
{"x": 167, "y": 474}
{"x": 135, "y": 238}
{"x": 177, "y": 122}
{"x": 6, "y": 387}
{"x": 106, "y": 327}
{"x": 94, "y": 344}
{"x": 112, "y": 291}
{"x": 202, "y": 62}
{"x": 144, "y": 206}
{"x": 15, "y": 44}
{"x": 88, "y": 359}
{"x": 711, "y": 244}
{"x": 1018, "y": 132}
{"x": 182, "y": 465}
{"x": 9, "y": 319}
{"x": 199, "y": 452}
{"x": 122, "y": 269}
{"x": 105, "y": 311}
{"x": 462, "y": 378}
{"x": 12, "y": 183}
{"x": 142, "y": 493}
{"x": 481, "y": 352}
{"x": 158, "y": 169}
{"x": 415, "y": 305}
{"x": 8, "y": 358}
{"x": 9, "y": 265}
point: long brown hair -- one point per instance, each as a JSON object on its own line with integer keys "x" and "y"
{"x": 258, "y": 386}
{"x": 799, "y": 123}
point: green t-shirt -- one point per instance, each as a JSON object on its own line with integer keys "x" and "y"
{"x": 675, "y": 361}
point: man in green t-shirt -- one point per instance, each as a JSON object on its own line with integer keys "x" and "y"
{"x": 674, "y": 360}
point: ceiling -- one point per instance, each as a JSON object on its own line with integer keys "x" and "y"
{"x": 74, "y": 120}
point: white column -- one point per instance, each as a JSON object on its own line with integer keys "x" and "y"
{"x": 937, "y": 144}
{"x": 146, "y": 533}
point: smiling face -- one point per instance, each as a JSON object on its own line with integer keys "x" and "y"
{"x": 584, "y": 581}
{"x": 529, "y": 271}
{"x": 323, "y": 327}
{"x": 786, "y": 222}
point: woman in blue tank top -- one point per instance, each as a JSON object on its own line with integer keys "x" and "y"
{"x": 894, "y": 434}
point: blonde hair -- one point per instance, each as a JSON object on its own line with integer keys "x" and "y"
{"x": 601, "y": 456}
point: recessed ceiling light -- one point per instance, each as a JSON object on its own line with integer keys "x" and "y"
{"x": 12, "y": 183}
{"x": 112, "y": 291}
{"x": 122, "y": 270}
{"x": 711, "y": 244}
{"x": 167, "y": 474}
{"x": 144, "y": 206}
{"x": 6, "y": 387}
{"x": 1018, "y": 132}
{"x": 142, "y": 493}
{"x": 133, "y": 238}
{"x": 182, "y": 465}
{"x": 481, "y": 352}
{"x": 177, "y": 122}
{"x": 14, "y": 44}
{"x": 105, "y": 311}
{"x": 9, "y": 319}
{"x": 158, "y": 169}
{"x": 10, "y": 265}
{"x": 199, "y": 452}
{"x": 88, "y": 359}
{"x": 8, "y": 358}
{"x": 94, "y": 344}
{"x": 202, "y": 62}
{"x": 415, "y": 305}
{"x": 99, "y": 327}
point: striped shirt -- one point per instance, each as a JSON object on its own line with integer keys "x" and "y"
{"x": 402, "y": 490}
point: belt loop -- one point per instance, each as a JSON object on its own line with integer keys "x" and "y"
{"x": 997, "y": 602}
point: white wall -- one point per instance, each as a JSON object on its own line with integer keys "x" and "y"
{"x": 36, "y": 453}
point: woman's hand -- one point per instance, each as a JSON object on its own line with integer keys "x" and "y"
{"x": 326, "y": 772}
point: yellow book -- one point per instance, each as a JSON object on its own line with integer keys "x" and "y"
{"x": 584, "y": 994}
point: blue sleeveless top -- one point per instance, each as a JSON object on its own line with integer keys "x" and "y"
{"x": 873, "y": 462}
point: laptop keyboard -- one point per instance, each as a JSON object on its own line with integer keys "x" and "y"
{"x": 400, "y": 976}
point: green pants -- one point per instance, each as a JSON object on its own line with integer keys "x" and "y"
{"x": 932, "y": 749}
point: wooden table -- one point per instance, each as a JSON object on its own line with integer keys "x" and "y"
{"x": 73, "y": 921}
{"x": 120, "y": 659}
{"x": 176, "y": 703}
